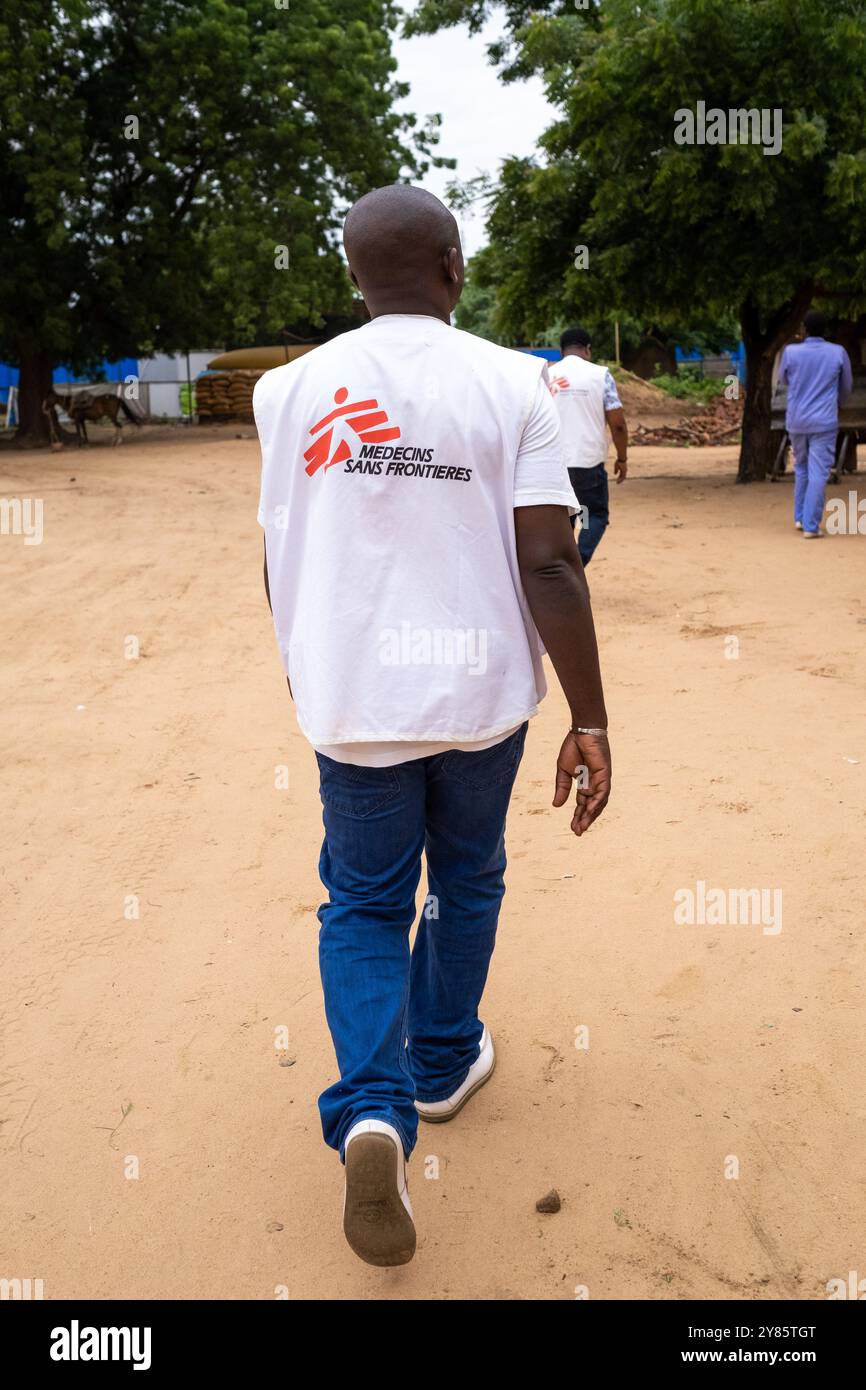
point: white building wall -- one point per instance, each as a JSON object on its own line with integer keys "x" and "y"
{"x": 165, "y": 373}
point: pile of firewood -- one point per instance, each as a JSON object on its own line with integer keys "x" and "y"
{"x": 719, "y": 423}
{"x": 225, "y": 395}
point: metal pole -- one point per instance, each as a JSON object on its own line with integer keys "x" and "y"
{"x": 189, "y": 389}
{"x": 616, "y": 340}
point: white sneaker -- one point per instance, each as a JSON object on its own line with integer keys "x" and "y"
{"x": 813, "y": 535}
{"x": 437, "y": 1111}
{"x": 798, "y": 525}
{"x": 377, "y": 1213}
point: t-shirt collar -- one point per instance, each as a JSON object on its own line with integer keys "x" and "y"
{"x": 401, "y": 318}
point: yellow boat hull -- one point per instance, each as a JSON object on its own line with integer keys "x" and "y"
{"x": 257, "y": 359}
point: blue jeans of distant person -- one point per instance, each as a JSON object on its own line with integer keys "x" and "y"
{"x": 814, "y": 456}
{"x": 591, "y": 491}
{"x": 378, "y": 997}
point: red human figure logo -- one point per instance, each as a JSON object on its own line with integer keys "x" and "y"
{"x": 334, "y": 444}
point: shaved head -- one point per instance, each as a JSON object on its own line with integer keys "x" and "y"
{"x": 403, "y": 248}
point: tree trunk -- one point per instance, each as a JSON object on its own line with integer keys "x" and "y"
{"x": 762, "y": 339}
{"x": 36, "y": 372}
{"x": 756, "y": 449}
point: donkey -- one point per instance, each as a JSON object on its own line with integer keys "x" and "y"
{"x": 82, "y": 407}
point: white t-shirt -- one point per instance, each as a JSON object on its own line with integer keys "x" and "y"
{"x": 392, "y": 460}
{"x": 583, "y": 391}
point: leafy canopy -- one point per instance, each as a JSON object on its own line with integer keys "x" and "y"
{"x": 253, "y": 126}
{"x": 684, "y": 230}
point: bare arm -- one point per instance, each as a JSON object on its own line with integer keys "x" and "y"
{"x": 619, "y": 433}
{"x": 558, "y": 598}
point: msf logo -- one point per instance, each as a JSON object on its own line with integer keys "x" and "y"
{"x": 338, "y": 432}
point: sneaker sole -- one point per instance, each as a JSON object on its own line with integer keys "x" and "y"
{"x": 376, "y": 1224}
{"x": 449, "y": 1114}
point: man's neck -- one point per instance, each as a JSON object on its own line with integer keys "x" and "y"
{"x": 423, "y": 307}
{"x": 576, "y": 352}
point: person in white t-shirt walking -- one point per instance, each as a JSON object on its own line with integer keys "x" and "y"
{"x": 589, "y": 405}
{"x": 412, "y": 641}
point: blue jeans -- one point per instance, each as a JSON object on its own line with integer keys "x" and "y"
{"x": 378, "y": 996}
{"x": 814, "y": 456}
{"x": 591, "y": 490}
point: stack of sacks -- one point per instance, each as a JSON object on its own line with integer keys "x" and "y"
{"x": 226, "y": 395}
{"x": 241, "y": 393}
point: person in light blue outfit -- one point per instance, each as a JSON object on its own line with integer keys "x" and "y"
{"x": 818, "y": 377}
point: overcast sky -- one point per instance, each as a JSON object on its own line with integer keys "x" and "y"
{"x": 483, "y": 121}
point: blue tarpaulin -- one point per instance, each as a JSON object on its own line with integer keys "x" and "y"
{"x": 109, "y": 371}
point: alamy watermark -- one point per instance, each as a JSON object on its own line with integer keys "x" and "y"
{"x": 729, "y": 907}
{"x": 434, "y": 646}
{"x": 846, "y": 517}
{"x": 21, "y": 1290}
{"x": 736, "y": 126}
{"x": 853, "y": 1287}
{"x": 77, "y": 1343}
{"x": 22, "y": 516}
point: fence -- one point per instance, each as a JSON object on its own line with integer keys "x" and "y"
{"x": 170, "y": 401}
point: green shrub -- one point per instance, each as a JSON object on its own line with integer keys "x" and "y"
{"x": 689, "y": 384}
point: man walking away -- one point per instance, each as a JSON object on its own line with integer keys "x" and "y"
{"x": 412, "y": 640}
{"x": 588, "y": 403}
{"x": 818, "y": 377}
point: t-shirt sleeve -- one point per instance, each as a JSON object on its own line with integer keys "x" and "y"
{"x": 540, "y": 476}
{"x": 846, "y": 381}
{"x": 782, "y": 378}
{"x": 611, "y": 395}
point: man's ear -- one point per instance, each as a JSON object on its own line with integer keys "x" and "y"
{"x": 451, "y": 265}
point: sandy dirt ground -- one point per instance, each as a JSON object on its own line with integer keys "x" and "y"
{"x": 155, "y": 1141}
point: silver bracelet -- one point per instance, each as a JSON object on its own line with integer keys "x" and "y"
{"x": 597, "y": 733}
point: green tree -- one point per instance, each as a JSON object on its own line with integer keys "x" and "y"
{"x": 156, "y": 155}
{"x": 476, "y": 308}
{"x": 685, "y": 231}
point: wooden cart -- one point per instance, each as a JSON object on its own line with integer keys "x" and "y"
{"x": 852, "y": 428}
